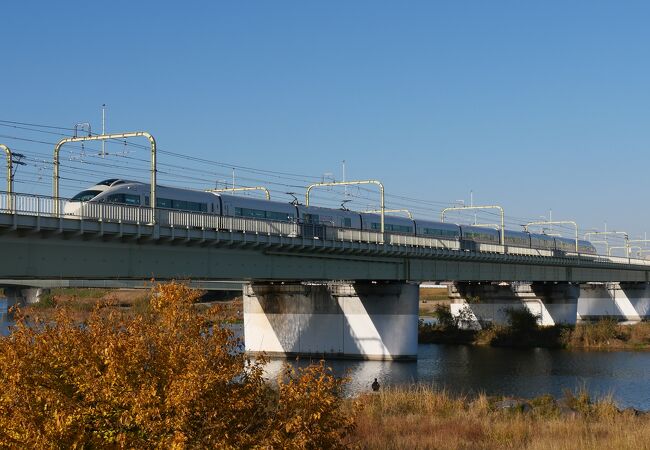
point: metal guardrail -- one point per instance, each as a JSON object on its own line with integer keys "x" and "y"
{"x": 44, "y": 206}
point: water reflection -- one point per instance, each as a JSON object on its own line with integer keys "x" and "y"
{"x": 525, "y": 373}
{"x": 4, "y": 321}
{"x": 360, "y": 373}
{"x": 466, "y": 369}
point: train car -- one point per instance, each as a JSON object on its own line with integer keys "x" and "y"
{"x": 438, "y": 230}
{"x": 517, "y": 238}
{"x": 480, "y": 234}
{"x": 338, "y": 218}
{"x": 542, "y": 241}
{"x": 315, "y": 222}
{"x": 92, "y": 192}
{"x": 133, "y": 193}
{"x": 255, "y": 208}
{"x": 565, "y": 244}
{"x": 327, "y": 223}
{"x": 586, "y": 247}
{"x": 392, "y": 224}
{"x": 478, "y": 239}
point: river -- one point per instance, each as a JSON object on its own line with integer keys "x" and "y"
{"x": 497, "y": 371}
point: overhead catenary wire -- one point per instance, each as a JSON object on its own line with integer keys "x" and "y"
{"x": 201, "y": 177}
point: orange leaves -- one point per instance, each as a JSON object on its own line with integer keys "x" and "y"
{"x": 163, "y": 377}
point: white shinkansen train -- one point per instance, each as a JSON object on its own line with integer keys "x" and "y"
{"x": 314, "y": 221}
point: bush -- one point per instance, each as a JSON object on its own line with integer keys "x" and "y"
{"x": 443, "y": 315}
{"x": 521, "y": 319}
{"x": 603, "y": 333}
{"x": 164, "y": 377}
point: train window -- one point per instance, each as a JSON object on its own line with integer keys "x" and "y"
{"x": 392, "y": 227}
{"x": 347, "y": 222}
{"x": 182, "y": 205}
{"x": 261, "y": 214}
{"x": 107, "y": 182}
{"x": 163, "y": 203}
{"x": 247, "y": 212}
{"x": 480, "y": 236}
{"x": 272, "y": 215}
{"x": 185, "y": 205}
{"x": 84, "y": 196}
{"x": 517, "y": 240}
{"x": 127, "y": 199}
{"x": 179, "y": 204}
{"x": 439, "y": 232}
{"x": 131, "y": 199}
{"x": 311, "y": 218}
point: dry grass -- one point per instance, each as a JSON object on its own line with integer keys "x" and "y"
{"x": 80, "y": 302}
{"x": 607, "y": 333}
{"x": 432, "y": 297}
{"x": 423, "y": 418}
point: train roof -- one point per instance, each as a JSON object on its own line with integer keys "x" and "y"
{"x": 516, "y": 233}
{"x": 542, "y": 236}
{"x": 479, "y": 229}
{"x": 322, "y": 210}
{"x": 436, "y": 224}
{"x": 255, "y": 203}
{"x": 394, "y": 220}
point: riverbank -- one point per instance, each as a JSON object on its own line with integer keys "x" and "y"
{"x": 605, "y": 334}
{"x": 80, "y": 302}
{"x": 161, "y": 374}
{"x": 421, "y": 417}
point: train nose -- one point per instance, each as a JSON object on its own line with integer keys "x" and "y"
{"x": 71, "y": 209}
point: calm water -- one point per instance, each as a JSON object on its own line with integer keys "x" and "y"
{"x": 4, "y": 323}
{"x": 525, "y": 373}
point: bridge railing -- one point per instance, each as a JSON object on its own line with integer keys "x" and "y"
{"x": 110, "y": 212}
{"x": 28, "y": 204}
{"x": 43, "y": 206}
{"x": 422, "y": 241}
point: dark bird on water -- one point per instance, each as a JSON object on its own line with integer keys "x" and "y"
{"x": 375, "y": 385}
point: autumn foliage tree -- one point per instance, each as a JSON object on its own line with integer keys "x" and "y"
{"x": 168, "y": 377}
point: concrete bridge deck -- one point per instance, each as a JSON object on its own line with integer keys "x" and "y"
{"x": 37, "y": 247}
{"x": 64, "y": 248}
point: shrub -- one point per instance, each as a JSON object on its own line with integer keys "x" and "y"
{"x": 164, "y": 377}
{"x": 640, "y": 333}
{"x": 521, "y": 319}
{"x": 443, "y": 315}
{"x": 46, "y": 301}
{"x": 604, "y": 332}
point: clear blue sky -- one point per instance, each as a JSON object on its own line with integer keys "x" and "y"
{"x": 533, "y": 105}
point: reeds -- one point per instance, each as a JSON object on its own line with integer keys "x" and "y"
{"x": 422, "y": 417}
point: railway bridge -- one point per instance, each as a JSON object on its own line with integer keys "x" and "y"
{"x": 350, "y": 293}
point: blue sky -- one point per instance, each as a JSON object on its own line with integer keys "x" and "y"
{"x": 532, "y": 105}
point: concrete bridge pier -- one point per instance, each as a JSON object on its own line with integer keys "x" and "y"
{"x": 21, "y": 296}
{"x": 478, "y": 304}
{"x": 629, "y": 302}
{"x": 359, "y": 320}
